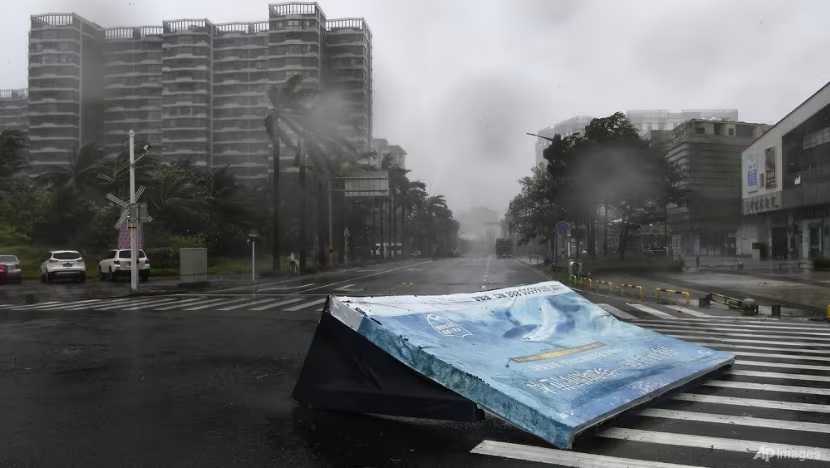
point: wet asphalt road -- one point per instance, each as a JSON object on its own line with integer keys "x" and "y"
{"x": 97, "y": 385}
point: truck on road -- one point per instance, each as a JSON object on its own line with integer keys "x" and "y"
{"x": 504, "y": 248}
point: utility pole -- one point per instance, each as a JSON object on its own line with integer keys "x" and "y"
{"x": 133, "y": 222}
{"x": 331, "y": 224}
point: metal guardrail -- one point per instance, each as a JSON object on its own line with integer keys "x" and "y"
{"x": 747, "y": 306}
{"x": 625, "y": 287}
{"x": 670, "y": 292}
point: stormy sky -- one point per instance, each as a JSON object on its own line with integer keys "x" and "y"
{"x": 457, "y": 83}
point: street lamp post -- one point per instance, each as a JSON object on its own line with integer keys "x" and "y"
{"x": 252, "y": 237}
{"x": 133, "y": 222}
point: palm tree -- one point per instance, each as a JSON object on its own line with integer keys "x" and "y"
{"x": 286, "y": 102}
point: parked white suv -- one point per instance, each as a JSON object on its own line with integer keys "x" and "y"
{"x": 63, "y": 264}
{"x": 117, "y": 263}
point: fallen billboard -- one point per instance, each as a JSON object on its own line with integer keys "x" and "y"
{"x": 539, "y": 356}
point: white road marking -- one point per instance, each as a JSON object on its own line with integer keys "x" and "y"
{"x": 782, "y": 365}
{"x": 719, "y": 344}
{"x": 739, "y": 420}
{"x": 688, "y": 311}
{"x": 737, "y": 335}
{"x": 781, "y": 356}
{"x": 306, "y": 305}
{"x": 278, "y": 304}
{"x": 143, "y": 305}
{"x": 616, "y": 312}
{"x": 189, "y": 302}
{"x": 726, "y": 321}
{"x": 563, "y": 457}
{"x": 707, "y": 329}
{"x": 738, "y": 340}
{"x": 650, "y": 310}
{"x": 767, "y": 387}
{"x": 75, "y": 305}
{"x": 748, "y": 447}
{"x": 367, "y": 276}
{"x": 347, "y": 287}
{"x": 781, "y": 375}
{"x": 247, "y": 304}
{"x": 286, "y": 287}
{"x": 752, "y": 402}
{"x": 129, "y": 302}
{"x": 222, "y": 303}
{"x": 37, "y": 306}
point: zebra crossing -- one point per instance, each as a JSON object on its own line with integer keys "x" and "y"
{"x": 771, "y": 408}
{"x": 188, "y": 303}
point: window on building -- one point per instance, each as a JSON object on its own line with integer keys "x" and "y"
{"x": 700, "y": 130}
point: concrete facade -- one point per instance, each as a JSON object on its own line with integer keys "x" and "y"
{"x": 66, "y": 89}
{"x": 194, "y": 90}
{"x": 708, "y": 154}
{"x": 14, "y": 104}
{"x": 646, "y": 120}
{"x": 786, "y": 185}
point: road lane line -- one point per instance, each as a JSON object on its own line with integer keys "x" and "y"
{"x": 38, "y": 305}
{"x": 187, "y": 302}
{"x": 357, "y": 278}
{"x": 130, "y": 302}
{"x": 277, "y": 304}
{"x": 305, "y": 305}
{"x": 650, "y": 310}
{"x": 738, "y": 420}
{"x": 616, "y": 312}
{"x": 144, "y": 305}
{"x": 718, "y": 344}
{"x": 736, "y": 335}
{"x": 688, "y": 311}
{"x": 246, "y": 304}
{"x": 706, "y": 329}
{"x": 222, "y": 303}
{"x": 74, "y": 306}
{"x": 715, "y": 320}
{"x": 286, "y": 287}
{"x": 781, "y": 356}
{"x": 782, "y": 365}
{"x": 781, "y": 375}
{"x": 568, "y": 458}
{"x": 767, "y": 387}
{"x": 752, "y": 402}
{"x": 738, "y": 340}
{"x": 748, "y": 447}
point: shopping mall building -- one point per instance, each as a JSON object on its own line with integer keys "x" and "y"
{"x": 786, "y": 186}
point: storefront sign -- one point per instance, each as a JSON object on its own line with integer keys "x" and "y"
{"x": 540, "y": 356}
{"x": 763, "y": 203}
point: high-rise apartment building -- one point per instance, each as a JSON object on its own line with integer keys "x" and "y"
{"x": 13, "y": 106}
{"x": 349, "y": 76}
{"x": 240, "y": 84}
{"x": 66, "y": 89}
{"x": 133, "y": 88}
{"x": 193, "y": 89}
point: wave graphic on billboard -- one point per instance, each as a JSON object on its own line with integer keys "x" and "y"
{"x": 540, "y": 356}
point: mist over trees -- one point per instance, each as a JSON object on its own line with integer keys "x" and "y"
{"x": 606, "y": 179}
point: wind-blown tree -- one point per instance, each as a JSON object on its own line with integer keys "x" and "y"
{"x": 306, "y": 122}
{"x": 286, "y": 103}
{"x": 531, "y": 213}
{"x": 12, "y": 153}
{"x": 610, "y": 167}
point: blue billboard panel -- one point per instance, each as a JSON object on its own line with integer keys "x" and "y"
{"x": 540, "y": 356}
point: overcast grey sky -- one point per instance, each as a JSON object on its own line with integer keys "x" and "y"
{"x": 457, "y": 83}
